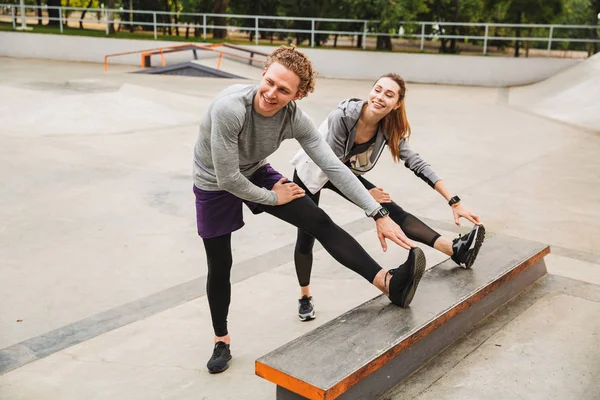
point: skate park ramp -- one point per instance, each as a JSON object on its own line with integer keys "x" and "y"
{"x": 84, "y": 107}
{"x": 190, "y": 69}
{"x": 570, "y": 96}
{"x": 214, "y": 61}
{"x": 235, "y": 60}
{"x": 234, "y": 67}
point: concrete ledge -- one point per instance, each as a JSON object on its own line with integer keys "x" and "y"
{"x": 368, "y": 350}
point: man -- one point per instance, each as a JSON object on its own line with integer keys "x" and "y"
{"x": 243, "y": 125}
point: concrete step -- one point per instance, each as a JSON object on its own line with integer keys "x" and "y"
{"x": 368, "y": 350}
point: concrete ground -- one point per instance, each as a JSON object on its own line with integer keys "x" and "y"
{"x": 102, "y": 275}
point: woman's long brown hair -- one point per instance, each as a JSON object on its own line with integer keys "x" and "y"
{"x": 395, "y": 123}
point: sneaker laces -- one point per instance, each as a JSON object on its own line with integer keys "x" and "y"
{"x": 459, "y": 246}
{"x": 461, "y": 240}
{"x": 304, "y": 303}
{"x": 220, "y": 347}
{"x": 467, "y": 236}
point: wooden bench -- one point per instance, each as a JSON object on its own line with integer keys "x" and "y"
{"x": 370, "y": 349}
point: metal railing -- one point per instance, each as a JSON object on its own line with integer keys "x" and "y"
{"x": 429, "y": 30}
{"x": 216, "y": 47}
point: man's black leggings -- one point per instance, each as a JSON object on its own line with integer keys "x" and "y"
{"x": 304, "y": 214}
{"x": 413, "y": 227}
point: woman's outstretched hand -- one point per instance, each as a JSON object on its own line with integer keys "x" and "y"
{"x": 287, "y": 192}
{"x": 380, "y": 195}
{"x": 460, "y": 211}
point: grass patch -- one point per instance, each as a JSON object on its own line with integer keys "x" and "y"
{"x": 44, "y": 29}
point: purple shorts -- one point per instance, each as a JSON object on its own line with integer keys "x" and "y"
{"x": 219, "y": 212}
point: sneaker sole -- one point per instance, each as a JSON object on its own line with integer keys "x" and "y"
{"x": 472, "y": 253}
{"x": 217, "y": 370}
{"x": 307, "y": 317}
{"x": 420, "y": 264}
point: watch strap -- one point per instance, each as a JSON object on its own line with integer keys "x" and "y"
{"x": 454, "y": 200}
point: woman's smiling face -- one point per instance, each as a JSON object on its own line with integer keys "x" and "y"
{"x": 384, "y": 96}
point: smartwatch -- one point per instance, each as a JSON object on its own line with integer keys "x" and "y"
{"x": 382, "y": 212}
{"x": 453, "y": 201}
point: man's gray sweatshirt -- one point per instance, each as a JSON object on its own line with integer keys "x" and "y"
{"x": 234, "y": 141}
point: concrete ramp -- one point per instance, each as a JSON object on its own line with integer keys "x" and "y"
{"x": 571, "y": 96}
{"x": 234, "y": 67}
{"x": 189, "y": 69}
{"x": 174, "y": 101}
{"x": 46, "y": 111}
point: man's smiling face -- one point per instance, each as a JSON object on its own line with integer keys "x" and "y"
{"x": 278, "y": 87}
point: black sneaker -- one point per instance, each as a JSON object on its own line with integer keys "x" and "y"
{"x": 306, "y": 308}
{"x": 405, "y": 279}
{"x": 220, "y": 358}
{"x": 467, "y": 247}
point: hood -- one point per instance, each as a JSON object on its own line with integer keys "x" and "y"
{"x": 351, "y": 107}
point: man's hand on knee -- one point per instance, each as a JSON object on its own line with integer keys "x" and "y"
{"x": 287, "y": 192}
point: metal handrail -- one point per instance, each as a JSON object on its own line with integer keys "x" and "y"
{"x": 365, "y": 32}
{"x": 188, "y": 46}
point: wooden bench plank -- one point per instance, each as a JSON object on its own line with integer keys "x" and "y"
{"x": 328, "y": 361}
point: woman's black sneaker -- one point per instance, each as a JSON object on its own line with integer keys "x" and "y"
{"x": 219, "y": 361}
{"x": 405, "y": 278}
{"x": 306, "y": 308}
{"x": 467, "y": 247}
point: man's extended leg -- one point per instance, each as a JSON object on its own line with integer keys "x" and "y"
{"x": 306, "y": 215}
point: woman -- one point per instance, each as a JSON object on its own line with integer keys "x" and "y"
{"x": 358, "y": 132}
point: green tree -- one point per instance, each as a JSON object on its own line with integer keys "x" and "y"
{"x": 576, "y": 12}
{"x": 220, "y": 7}
{"x": 253, "y": 7}
{"x": 595, "y": 17}
{"x": 388, "y": 13}
{"x": 203, "y": 6}
{"x": 581, "y": 12}
{"x": 310, "y": 8}
{"x": 526, "y": 11}
{"x": 455, "y": 11}
{"x": 53, "y": 13}
{"x": 38, "y": 10}
{"x": 195, "y": 6}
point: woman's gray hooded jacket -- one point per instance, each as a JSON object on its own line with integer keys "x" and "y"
{"x": 339, "y": 131}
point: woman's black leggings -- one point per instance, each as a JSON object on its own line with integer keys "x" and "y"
{"x": 304, "y": 214}
{"x": 413, "y": 227}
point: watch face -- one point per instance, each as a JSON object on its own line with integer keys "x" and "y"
{"x": 382, "y": 212}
